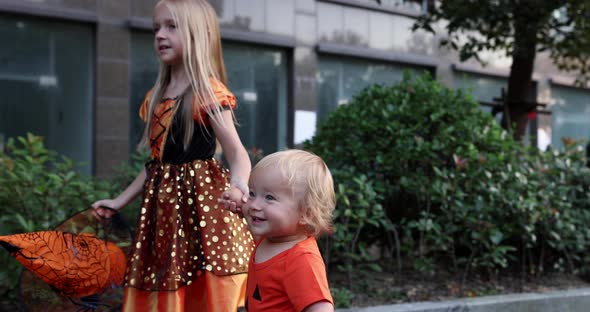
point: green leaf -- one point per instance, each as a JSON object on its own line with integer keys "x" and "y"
{"x": 496, "y": 237}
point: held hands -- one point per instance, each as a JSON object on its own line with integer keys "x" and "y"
{"x": 105, "y": 209}
{"x": 235, "y": 196}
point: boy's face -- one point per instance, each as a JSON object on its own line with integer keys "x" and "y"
{"x": 272, "y": 210}
{"x": 167, "y": 40}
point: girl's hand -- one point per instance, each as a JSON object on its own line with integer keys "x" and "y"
{"x": 233, "y": 199}
{"x": 105, "y": 208}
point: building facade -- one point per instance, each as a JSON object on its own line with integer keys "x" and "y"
{"x": 76, "y": 71}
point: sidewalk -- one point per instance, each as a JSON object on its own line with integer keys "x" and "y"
{"x": 575, "y": 300}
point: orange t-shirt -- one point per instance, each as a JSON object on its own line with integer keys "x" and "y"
{"x": 163, "y": 113}
{"x": 290, "y": 281}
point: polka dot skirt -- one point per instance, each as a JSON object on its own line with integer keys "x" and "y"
{"x": 182, "y": 231}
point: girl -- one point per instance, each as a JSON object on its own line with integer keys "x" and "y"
{"x": 189, "y": 253}
{"x": 291, "y": 201}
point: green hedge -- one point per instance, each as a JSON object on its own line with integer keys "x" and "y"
{"x": 39, "y": 189}
{"x": 459, "y": 192}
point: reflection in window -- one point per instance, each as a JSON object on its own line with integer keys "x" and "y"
{"x": 483, "y": 88}
{"x": 46, "y": 82}
{"x": 257, "y": 77}
{"x": 340, "y": 78}
{"x": 144, "y": 72}
{"x": 487, "y": 90}
{"x": 414, "y": 5}
{"x": 570, "y": 115}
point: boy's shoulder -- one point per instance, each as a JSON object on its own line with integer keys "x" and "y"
{"x": 309, "y": 243}
{"x": 308, "y": 246}
{"x": 304, "y": 248}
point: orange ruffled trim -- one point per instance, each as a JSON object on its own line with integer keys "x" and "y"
{"x": 208, "y": 293}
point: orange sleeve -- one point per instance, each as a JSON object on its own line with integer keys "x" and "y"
{"x": 306, "y": 281}
{"x": 225, "y": 98}
{"x": 145, "y": 106}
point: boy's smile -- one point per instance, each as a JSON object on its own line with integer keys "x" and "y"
{"x": 257, "y": 220}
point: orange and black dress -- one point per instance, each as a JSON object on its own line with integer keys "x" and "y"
{"x": 189, "y": 254}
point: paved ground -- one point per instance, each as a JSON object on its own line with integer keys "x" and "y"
{"x": 577, "y": 300}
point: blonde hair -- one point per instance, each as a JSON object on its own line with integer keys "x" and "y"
{"x": 202, "y": 59}
{"x": 307, "y": 173}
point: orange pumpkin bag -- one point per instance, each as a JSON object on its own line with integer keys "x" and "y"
{"x": 82, "y": 264}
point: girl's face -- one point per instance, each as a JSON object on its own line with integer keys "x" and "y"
{"x": 167, "y": 40}
{"x": 272, "y": 210}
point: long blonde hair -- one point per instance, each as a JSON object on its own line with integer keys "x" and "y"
{"x": 202, "y": 59}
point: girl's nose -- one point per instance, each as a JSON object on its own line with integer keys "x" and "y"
{"x": 160, "y": 34}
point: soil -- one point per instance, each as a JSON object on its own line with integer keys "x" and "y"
{"x": 382, "y": 288}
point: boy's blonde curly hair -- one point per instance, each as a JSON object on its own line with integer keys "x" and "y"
{"x": 308, "y": 175}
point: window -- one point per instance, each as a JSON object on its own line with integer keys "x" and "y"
{"x": 257, "y": 77}
{"x": 483, "y": 88}
{"x": 416, "y": 5}
{"x": 570, "y": 114}
{"x": 144, "y": 72}
{"x": 341, "y": 78}
{"x": 46, "y": 82}
{"x": 413, "y": 7}
{"x": 487, "y": 89}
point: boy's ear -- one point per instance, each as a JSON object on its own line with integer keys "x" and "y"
{"x": 304, "y": 224}
{"x": 302, "y": 216}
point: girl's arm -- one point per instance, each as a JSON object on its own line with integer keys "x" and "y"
{"x": 322, "y": 306}
{"x": 239, "y": 162}
{"x": 129, "y": 194}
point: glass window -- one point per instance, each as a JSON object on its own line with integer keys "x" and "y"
{"x": 570, "y": 114}
{"x": 340, "y": 78}
{"x": 46, "y": 82}
{"x": 257, "y": 77}
{"x": 144, "y": 72}
{"x": 483, "y": 88}
{"x": 415, "y": 5}
{"x": 486, "y": 88}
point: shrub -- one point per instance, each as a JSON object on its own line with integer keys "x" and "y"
{"x": 396, "y": 135}
{"x": 465, "y": 195}
{"x": 359, "y": 212}
{"x": 399, "y": 136}
{"x": 125, "y": 173}
{"x": 563, "y": 234}
{"x": 342, "y": 297}
{"x": 38, "y": 190}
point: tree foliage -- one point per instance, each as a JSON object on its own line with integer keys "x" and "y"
{"x": 561, "y": 27}
{"x": 520, "y": 29}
